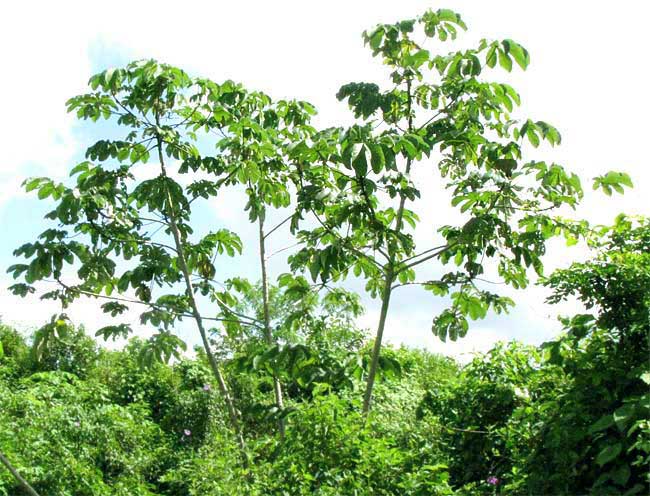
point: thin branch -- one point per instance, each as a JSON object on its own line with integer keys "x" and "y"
{"x": 337, "y": 235}
{"x": 178, "y": 124}
{"x": 268, "y": 233}
{"x": 413, "y": 283}
{"x": 423, "y": 253}
{"x": 445, "y": 109}
{"x": 26, "y": 486}
{"x": 148, "y": 219}
{"x": 241, "y": 315}
{"x": 128, "y": 111}
{"x": 102, "y": 232}
{"x": 154, "y": 306}
{"x": 490, "y": 282}
{"x": 282, "y": 249}
{"x": 428, "y": 257}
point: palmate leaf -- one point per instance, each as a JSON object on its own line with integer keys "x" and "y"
{"x": 450, "y": 324}
{"x": 160, "y": 348}
{"x": 119, "y": 331}
{"x": 114, "y": 308}
{"x": 612, "y": 181}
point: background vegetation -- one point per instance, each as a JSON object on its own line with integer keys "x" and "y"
{"x": 569, "y": 417}
{"x": 285, "y": 395}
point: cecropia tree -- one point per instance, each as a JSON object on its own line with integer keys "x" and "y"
{"x": 125, "y": 231}
{"x": 444, "y": 109}
{"x": 253, "y": 150}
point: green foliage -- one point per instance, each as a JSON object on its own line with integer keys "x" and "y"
{"x": 443, "y": 108}
{"x": 160, "y": 429}
{"x": 65, "y": 438}
{"x": 436, "y": 109}
{"x": 612, "y": 181}
{"x": 473, "y": 411}
{"x": 568, "y": 418}
{"x": 598, "y": 413}
{"x": 571, "y": 417}
{"x": 327, "y": 451}
{"x": 60, "y": 346}
{"x": 14, "y": 353}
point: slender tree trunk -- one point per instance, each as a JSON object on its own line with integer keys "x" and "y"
{"x": 277, "y": 386}
{"x": 376, "y": 349}
{"x": 390, "y": 277}
{"x": 385, "y": 304}
{"x": 189, "y": 289}
{"x": 25, "y": 485}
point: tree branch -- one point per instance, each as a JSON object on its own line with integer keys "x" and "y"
{"x": 278, "y": 226}
{"x": 26, "y": 486}
{"x": 154, "y": 306}
{"x": 428, "y": 257}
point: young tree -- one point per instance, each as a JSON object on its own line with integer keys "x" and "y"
{"x": 437, "y": 108}
{"x": 253, "y": 150}
{"x": 132, "y": 239}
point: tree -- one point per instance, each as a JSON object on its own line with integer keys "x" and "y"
{"x": 593, "y": 433}
{"x": 441, "y": 108}
{"x": 132, "y": 239}
{"x": 253, "y": 151}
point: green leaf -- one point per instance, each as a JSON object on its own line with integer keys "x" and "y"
{"x": 612, "y": 181}
{"x": 605, "y": 422}
{"x": 623, "y": 415}
{"x": 532, "y": 136}
{"x": 519, "y": 53}
{"x": 621, "y": 475}
{"x": 491, "y": 56}
{"x": 360, "y": 164}
{"x": 504, "y": 60}
{"x": 608, "y": 453}
{"x": 377, "y": 158}
{"x": 417, "y": 59}
{"x": 506, "y": 165}
{"x": 114, "y": 331}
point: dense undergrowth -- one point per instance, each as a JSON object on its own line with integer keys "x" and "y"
{"x": 569, "y": 417}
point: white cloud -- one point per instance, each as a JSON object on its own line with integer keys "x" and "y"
{"x": 29, "y": 313}
{"x": 414, "y": 329}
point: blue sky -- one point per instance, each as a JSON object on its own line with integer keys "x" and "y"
{"x": 587, "y": 77}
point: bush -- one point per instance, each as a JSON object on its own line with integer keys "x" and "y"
{"x": 65, "y": 438}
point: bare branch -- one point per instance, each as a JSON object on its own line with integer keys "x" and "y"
{"x": 428, "y": 257}
{"x": 278, "y": 226}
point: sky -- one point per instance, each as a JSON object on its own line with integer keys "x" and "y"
{"x": 588, "y": 76}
